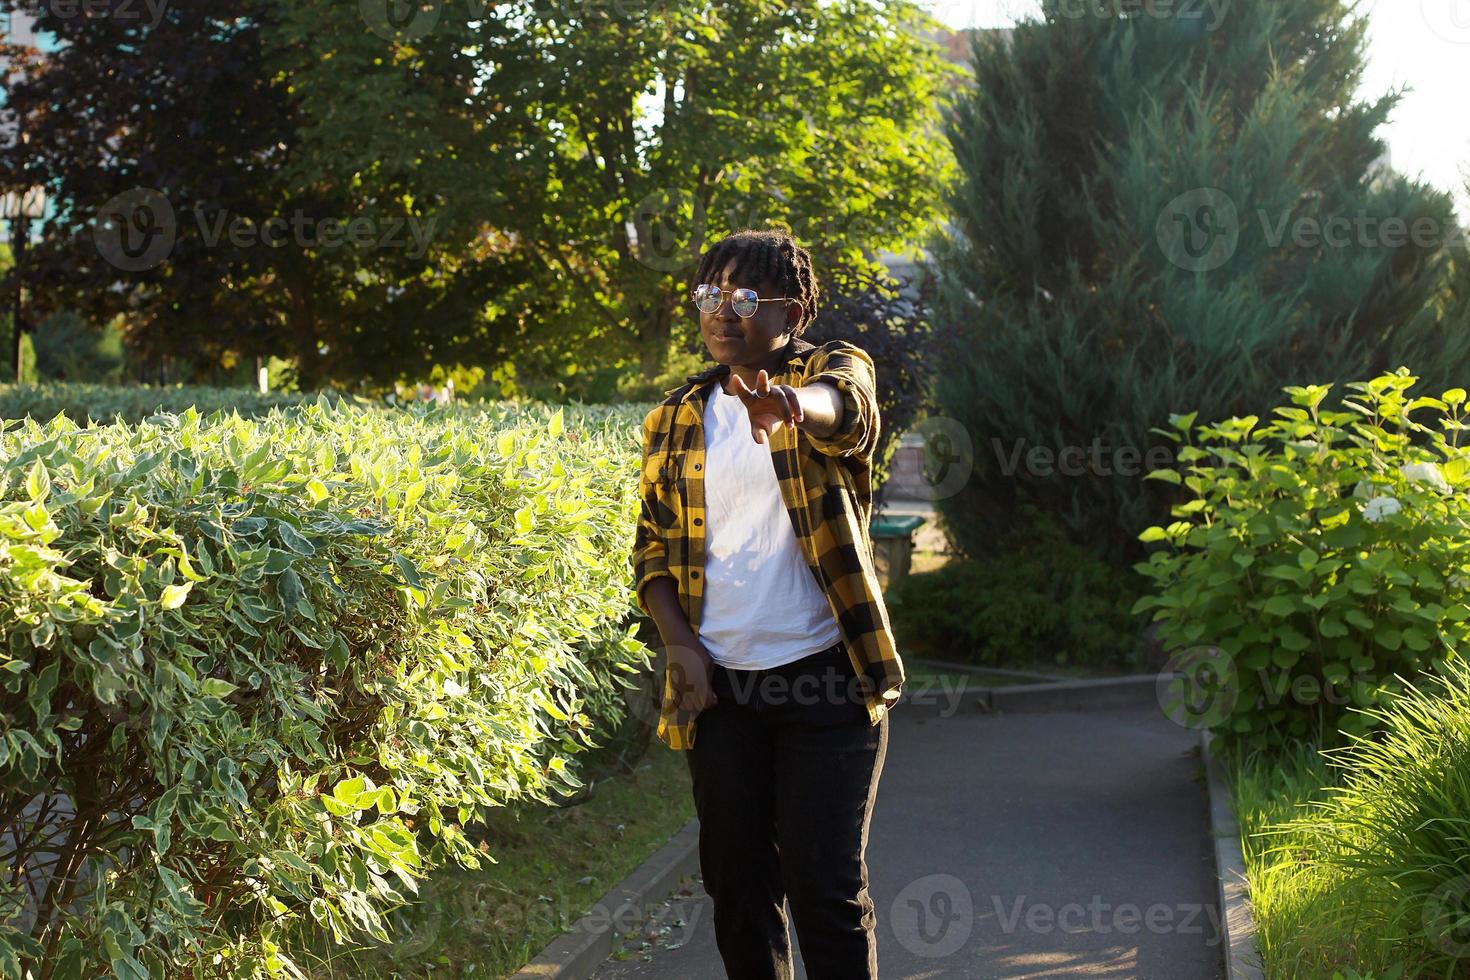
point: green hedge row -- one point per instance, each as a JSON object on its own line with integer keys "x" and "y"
{"x": 256, "y": 670}
{"x": 134, "y": 403}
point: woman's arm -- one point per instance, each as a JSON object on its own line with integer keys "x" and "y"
{"x": 661, "y": 596}
{"x": 820, "y": 412}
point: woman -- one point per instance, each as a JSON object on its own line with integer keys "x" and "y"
{"x": 752, "y": 555}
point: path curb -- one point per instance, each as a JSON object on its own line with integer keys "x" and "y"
{"x": 577, "y": 953}
{"x": 977, "y": 669}
{"x": 1242, "y": 955}
{"x": 942, "y": 700}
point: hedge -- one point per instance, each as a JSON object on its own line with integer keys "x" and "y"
{"x": 262, "y": 669}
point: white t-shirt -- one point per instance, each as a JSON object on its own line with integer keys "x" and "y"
{"x": 763, "y": 605}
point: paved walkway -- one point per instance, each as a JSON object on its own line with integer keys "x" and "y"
{"x": 1052, "y": 845}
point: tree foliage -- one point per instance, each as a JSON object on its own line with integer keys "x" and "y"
{"x": 1133, "y": 237}
{"x": 528, "y": 179}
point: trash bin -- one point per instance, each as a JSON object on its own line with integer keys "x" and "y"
{"x": 893, "y": 545}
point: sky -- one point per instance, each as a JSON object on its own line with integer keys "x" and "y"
{"x": 1421, "y": 43}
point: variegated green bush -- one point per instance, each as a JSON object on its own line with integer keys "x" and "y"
{"x": 255, "y": 670}
{"x": 1318, "y": 561}
{"x": 134, "y": 403}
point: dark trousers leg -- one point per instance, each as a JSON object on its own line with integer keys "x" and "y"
{"x": 826, "y": 782}
{"x": 730, "y": 765}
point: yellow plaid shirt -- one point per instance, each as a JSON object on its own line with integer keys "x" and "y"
{"x": 826, "y": 485}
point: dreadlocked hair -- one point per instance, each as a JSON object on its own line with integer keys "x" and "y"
{"x": 765, "y": 257}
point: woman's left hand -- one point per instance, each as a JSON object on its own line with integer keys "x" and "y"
{"x": 769, "y": 406}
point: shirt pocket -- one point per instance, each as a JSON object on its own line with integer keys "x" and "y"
{"x": 665, "y": 474}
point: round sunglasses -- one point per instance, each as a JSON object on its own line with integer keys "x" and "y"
{"x": 744, "y": 302}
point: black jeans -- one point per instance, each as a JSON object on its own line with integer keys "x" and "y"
{"x": 785, "y": 770}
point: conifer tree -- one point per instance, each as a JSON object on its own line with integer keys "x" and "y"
{"x": 1180, "y": 209}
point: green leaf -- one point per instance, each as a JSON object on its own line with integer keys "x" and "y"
{"x": 409, "y": 570}
{"x": 288, "y": 587}
{"x": 38, "y": 481}
{"x": 174, "y": 595}
{"x": 216, "y": 687}
{"x": 292, "y": 539}
{"x": 1280, "y": 605}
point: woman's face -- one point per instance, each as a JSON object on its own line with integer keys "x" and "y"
{"x": 747, "y": 342}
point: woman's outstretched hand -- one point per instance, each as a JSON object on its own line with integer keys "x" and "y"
{"x": 769, "y": 406}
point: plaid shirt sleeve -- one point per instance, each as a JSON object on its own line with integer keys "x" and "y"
{"x": 850, "y": 368}
{"x": 650, "y": 554}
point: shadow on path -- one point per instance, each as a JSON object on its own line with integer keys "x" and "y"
{"x": 1048, "y": 845}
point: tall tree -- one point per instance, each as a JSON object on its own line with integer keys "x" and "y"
{"x": 140, "y": 118}
{"x": 604, "y": 143}
{"x": 170, "y": 143}
{"x": 1175, "y": 210}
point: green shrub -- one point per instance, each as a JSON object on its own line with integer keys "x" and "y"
{"x": 256, "y": 671}
{"x": 68, "y": 348}
{"x": 1396, "y": 831}
{"x": 1037, "y": 599}
{"x": 1318, "y": 555}
{"x": 134, "y": 403}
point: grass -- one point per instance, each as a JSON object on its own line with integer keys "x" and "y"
{"x": 1308, "y": 915}
{"x": 553, "y": 864}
